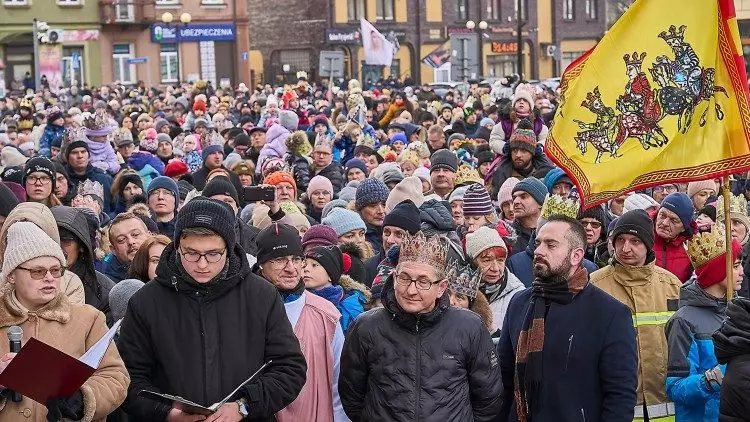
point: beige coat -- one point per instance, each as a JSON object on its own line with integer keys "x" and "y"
{"x": 40, "y": 215}
{"x": 72, "y": 329}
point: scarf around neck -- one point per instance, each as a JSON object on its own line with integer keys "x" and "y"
{"x": 292, "y": 294}
{"x": 333, "y": 294}
{"x": 529, "y": 352}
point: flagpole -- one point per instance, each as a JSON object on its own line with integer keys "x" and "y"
{"x": 728, "y": 233}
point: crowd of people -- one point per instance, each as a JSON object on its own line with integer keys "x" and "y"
{"x": 390, "y": 254}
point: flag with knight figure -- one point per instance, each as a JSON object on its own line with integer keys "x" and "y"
{"x": 662, "y": 97}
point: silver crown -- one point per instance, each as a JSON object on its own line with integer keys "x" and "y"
{"x": 463, "y": 280}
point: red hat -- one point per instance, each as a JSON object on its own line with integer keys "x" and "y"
{"x": 176, "y": 168}
{"x": 715, "y": 271}
{"x": 281, "y": 176}
{"x": 199, "y": 105}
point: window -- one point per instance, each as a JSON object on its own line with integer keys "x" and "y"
{"x": 166, "y": 2}
{"x": 396, "y": 69}
{"x": 569, "y": 10}
{"x": 208, "y": 61}
{"x": 443, "y": 73}
{"x": 69, "y": 2}
{"x": 523, "y": 4}
{"x": 213, "y": 2}
{"x": 72, "y": 66}
{"x": 124, "y": 11}
{"x": 121, "y": 70}
{"x": 569, "y": 57}
{"x": 493, "y": 10}
{"x": 15, "y": 2}
{"x": 168, "y": 61}
{"x": 591, "y": 9}
{"x": 384, "y": 10}
{"x": 501, "y": 65}
{"x": 462, "y": 10}
{"x": 356, "y": 9}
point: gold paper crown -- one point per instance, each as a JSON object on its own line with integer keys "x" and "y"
{"x": 420, "y": 148}
{"x": 737, "y": 205}
{"x": 324, "y": 141}
{"x": 420, "y": 249}
{"x": 706, "y": 246}
{"x": 366, "y": 140}
{"x": 89, "y": 187}
{"x": 463, "y": 280}
{"x": 467, "y": 175}
{"x": 673, "y": 33}
{"x": 557, "y": 205}
{"x": 408, "y": 156}
{"x": 96, "y": 121}
{"x": 26, "y": 102}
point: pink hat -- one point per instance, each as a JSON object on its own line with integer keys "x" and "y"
{"x": 505, "y": 193}
{"x": 318, "y": 183}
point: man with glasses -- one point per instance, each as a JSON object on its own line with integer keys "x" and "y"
{"x": 205, "y": 324}
{"x": 418, "y": 358}
{"x": 324, "y": 165}
{"x": 316, "y": 323}
{"x": 163, "y": 200}
{"x": 661, "y": 192}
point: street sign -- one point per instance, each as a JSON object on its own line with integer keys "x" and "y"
{"x": 138, "y": 60}
{"x": 245, "y": 56}
{"x": 331, "y": 64}
{"x": 464, "y": 56}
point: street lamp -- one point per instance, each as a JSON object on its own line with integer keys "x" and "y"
{"x": 167, "y": 18}
{"x": 480, "y": 27}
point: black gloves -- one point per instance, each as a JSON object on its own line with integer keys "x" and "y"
{"x": 65, "y": 407}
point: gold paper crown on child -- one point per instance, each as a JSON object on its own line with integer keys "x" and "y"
{"x": 467, "y": 174}
{"x": 89, "y": 187}
{"x": 737, "y": 204}
{"x": 463, "y": 280}
{"x": 95, "y": 121}
{"x": 366, "y": 140}
{"x": 706, "y": 246}
{"x": 557, "y": 205}
{"x": 417, "y": 248}
{"x": 324, "y": 141}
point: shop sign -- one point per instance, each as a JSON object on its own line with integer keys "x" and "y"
{"x": 161, "y": 33}
{"x": 342, "y": 36}
{"x": 451, "y": 30}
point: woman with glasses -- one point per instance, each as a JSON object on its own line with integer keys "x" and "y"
{"x": 595, "y": 221}
{"x": 487, "y": 253}
{"x": 39, "y": 180}
{"x": 32, "y": 298}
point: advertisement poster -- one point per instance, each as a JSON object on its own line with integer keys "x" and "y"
{"x": 438, "y": 56}
{"x": 378, "y": 50}
{"x": 50, "y": 58}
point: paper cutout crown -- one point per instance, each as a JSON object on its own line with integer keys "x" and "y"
{"x": 432, "y": 251}
{"x": 737, "y": 205}
{"x": 463, "y": 280}
{"x": 89, "y": 187}
{"x": 467, "y": 174}
{"x": 557, "y": 205}
{"x": 95, "y": 122}
{"x": 366, "y": 140}
{"x": 704, "y": 247}
{"x": 324, "y": 141}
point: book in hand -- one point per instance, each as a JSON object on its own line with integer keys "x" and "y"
{"x": 190, "y": 407}
{"x": 41, "y": 372}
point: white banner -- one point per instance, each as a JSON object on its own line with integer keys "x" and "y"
{"x": 378, "y": 50}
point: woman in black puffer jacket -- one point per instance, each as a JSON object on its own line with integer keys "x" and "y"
{"x": 438, "y": 366}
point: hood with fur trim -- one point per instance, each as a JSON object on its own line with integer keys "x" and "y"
{"x": 348, "y": 284}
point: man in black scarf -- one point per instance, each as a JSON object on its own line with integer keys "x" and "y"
{"x": 567, "y": 349}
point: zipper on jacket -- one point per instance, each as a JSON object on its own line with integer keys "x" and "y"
{"x": 174, "y": 283}
{"x": 567, "y": 357}
{"x": 664, "y": 258}
{"x": 203, "y": 341}
{"x": 583, "y": 415}
{"x": 419, "y": 372}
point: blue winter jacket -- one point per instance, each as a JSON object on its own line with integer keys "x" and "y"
{"x": 49, "y": 136}
{"x": 691, "y": 353}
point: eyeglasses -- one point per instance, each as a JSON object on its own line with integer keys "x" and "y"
{"x": 665, "y": 188}
{"x": 282, "y": 262}
{"x": 44, "y": 180}
{"x": 594, "y": 224}
{"x": 212, "y": 257}
{"x": 422, "y": 283}
{"x": 40, "y": 273}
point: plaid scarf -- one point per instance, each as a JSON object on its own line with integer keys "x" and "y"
{"x": 528, "y": 376}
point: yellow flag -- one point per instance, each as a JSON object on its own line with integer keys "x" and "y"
{"x": 662, "y": 98}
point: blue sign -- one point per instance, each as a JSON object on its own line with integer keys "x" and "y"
{"x": 138, "y": 60}
{"x": 161, "y": 33}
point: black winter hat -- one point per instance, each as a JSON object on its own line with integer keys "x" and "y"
{"x": 405, "y": 216}
{"x": 8, "y": 200}
{"x": 60, "y": 169}
{"x": 185, "y": 188}
{"x": 13, "y": 174}
{"x": 129, "y": 178}
{"x": 278, "y": 240}
{"x": 330, "y": 258}
{"x": 599, "y": 214}
{"x": 482, "y": 133}
{"x": 445, "y": 159}
{"x": 242, "y": 139}
{"x": 76, "y": 144}
{"x": 483, "y": 154}
{"x": 41, "y": 165}
{"x": 220, "y": 185}
{"x": 637, "y": 223}
{"x": 209, "y": 214}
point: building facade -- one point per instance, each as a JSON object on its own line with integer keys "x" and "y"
{"x": 211, "y": 45}
{"x": 75, "y": 56}
{"x": 553, "y": 33}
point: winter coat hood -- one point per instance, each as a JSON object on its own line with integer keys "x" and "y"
{"x": 691, "y": 294}
{"x": 75, "y": 222}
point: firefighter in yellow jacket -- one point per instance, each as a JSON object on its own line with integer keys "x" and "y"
{"x": 652, "y": 295}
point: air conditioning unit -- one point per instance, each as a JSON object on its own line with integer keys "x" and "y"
{"x": 551, "y": 50}
{"x": 54, "y": 36}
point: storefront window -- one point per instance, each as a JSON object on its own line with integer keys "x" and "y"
{"x": 384, "y": 10}
{"x": 72, "y": 66}
{"x": 168, "y": 62}
{"x": 500, "y": 65}
{"x": 122, "y": 71}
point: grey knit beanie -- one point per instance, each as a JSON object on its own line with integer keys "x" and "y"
{"x": 343, "y": 221}
{"x": 120, "y": 295}
{"x": 371, "y": 191}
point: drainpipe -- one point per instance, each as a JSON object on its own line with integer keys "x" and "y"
{"x": 417, "y": 60}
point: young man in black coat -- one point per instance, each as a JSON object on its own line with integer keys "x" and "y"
{"x": 732, "y": 347}
{"x": 205, "y": 324}
{"x": 567, "y": 348}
